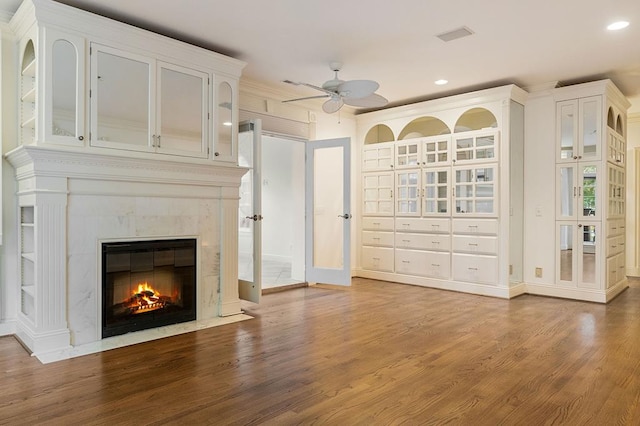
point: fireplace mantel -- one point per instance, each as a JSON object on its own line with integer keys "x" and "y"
{"x": 81, "y": 198}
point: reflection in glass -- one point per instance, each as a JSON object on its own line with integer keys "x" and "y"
{"x": 64, "y": 63}
{"x": 224, "y": 144}
{"x": 589, "y": 254}
{"x": 122, "y": 100}
{"x": 181, "y": 113}
{"x": 567, "y": 191}
{"x": 589, "y": 176}
{"x": 590, "y": 127}
{"x": 245, "y": 235}
{"x": 567, "y": 131}
{"x": 566, "y": 252}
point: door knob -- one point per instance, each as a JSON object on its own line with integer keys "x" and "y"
{"x": 345, "y": 216}
{"x": 255, "y": 217}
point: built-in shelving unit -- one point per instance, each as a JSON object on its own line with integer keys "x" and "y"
{"x": 436, "y": 201}
{"x": 27, "y": 261}
{"x": 28, "y": 94}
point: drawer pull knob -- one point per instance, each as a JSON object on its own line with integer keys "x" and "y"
{"x": 473, "y": 269}
{"x": 405, "y": 261}
{"x": 435, "y": 242}
{"x": 473, "y": 244}
{"x": 435, "y": 264}
{"x": 406, "y": 241}
{"x": 376, "y": 223}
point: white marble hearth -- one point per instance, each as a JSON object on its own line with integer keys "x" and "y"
{"x": 81, "y": 199}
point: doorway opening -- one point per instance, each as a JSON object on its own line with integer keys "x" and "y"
{"x": 282, "y": 183}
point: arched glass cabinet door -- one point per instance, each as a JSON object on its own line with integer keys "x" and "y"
{"x": 225, "y": 141}
{"x": 64, "y": 89}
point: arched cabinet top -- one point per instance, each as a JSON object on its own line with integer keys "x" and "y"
{"x": 423, "y": 127}
{"x": 611, "y": 119}
{"x": 619, "y": 125}
{"x": 378, "y": 134}
{"x": 28, "y": 59}
{"x": 475, "y": 119}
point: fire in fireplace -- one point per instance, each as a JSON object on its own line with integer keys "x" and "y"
{"x": 147, "y": 284}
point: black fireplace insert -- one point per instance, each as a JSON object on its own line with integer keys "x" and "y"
{"x": 147, "y": 284}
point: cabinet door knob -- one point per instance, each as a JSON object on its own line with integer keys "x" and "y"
{"x": 80, "y": 138}
{"x": 217, "y": 154}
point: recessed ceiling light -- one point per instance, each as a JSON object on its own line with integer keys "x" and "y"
{"x": 618, "y": 25}
{"x": 441, "y": 82}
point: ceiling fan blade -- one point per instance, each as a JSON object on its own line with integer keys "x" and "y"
{"x": 332, "y": 105}
{"x": 356, "y": 89}
{"x": 300, "y": 83}
{"x": 372, "y": 101}
{"x": 305, "y": 98}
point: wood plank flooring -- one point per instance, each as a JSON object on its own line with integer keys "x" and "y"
{"x": 374, "y": 354}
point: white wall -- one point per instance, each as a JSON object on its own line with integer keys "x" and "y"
{"x": 8, "y": 252}
{"x": 632, "y": 184}
{"x": 539, "y": 178}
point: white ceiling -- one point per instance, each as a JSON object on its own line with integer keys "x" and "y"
{"x": 526, "y": 42}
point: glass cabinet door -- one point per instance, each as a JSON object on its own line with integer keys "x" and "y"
{"x": 407, "y": 193}
{"x": 182, "y": 111}
{"x": 435, "y": 184}
{"x": 407, "y": 154}
{"x": 567, "y": 130}
{"x": 577, "y": 256}
{"x": 64, "y": 93}
{"x": 475, "y": 190}
{"x": 590, "y": 128}
{"x": 123, "y": 101}
{"x": 435, "y": 151}
{"x": 567, "y": 190}
{"x": 224, "y": 143}
{"x": 477, "y": 146}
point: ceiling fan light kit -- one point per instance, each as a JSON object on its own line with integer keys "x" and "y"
{"x": 356, "y": 93}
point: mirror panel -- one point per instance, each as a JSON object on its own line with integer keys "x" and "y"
{"x": 566, "y": 252}
{"x": 122, "y": 100}
{"x": 567, "y": 130}
{"x": 181, "y": 110}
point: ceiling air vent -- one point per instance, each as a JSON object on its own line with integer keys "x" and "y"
{"x": 455, "y": 34}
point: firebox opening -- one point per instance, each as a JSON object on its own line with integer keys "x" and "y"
{"x": 147, "y": 284}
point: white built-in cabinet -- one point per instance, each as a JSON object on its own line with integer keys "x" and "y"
{"x": 94, "y": 88}
{"x": 590, "y": 190}
{"x": 435, "y": 207}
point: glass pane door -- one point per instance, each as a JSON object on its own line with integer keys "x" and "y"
{"x": 329, "y": 212}
{"x": 249, "y": 213}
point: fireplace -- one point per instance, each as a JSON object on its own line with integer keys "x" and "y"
{"x": 147, "y": 284}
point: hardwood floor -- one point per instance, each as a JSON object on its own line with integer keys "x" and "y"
{"x": 376, "y": 353}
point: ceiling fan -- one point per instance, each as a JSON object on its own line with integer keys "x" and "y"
{"x": 357, "y": 93}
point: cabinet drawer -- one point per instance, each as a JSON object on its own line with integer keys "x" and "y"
{"x": 475, "y": 268}
{"x": 615, "y": 245}
{"x": 377, "y": 223}
{"x": 423, "y": 263}
{"x": 475, "y": 226}
{"x": 615, "y": 270}
{"x": 615, "y": 227}
{"x": 475, "y": 244}
{"x": 374, "y": 238}
{"x": 432, "y": 225}
{"x": 377, "y": 259}
{"x": 436, "y": 242}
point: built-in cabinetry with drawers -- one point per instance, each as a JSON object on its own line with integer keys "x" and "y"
{"x": 441, "y": 203}
{"x": 590, "y": 190}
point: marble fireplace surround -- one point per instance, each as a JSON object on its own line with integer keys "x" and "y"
{"x": 84, "y": 198}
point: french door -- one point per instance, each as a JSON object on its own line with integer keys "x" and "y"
{"x": 249, "y": 212}
{"x": 328, "y": 212}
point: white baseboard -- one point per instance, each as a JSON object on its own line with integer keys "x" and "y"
{"x": 8, "y": 327}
